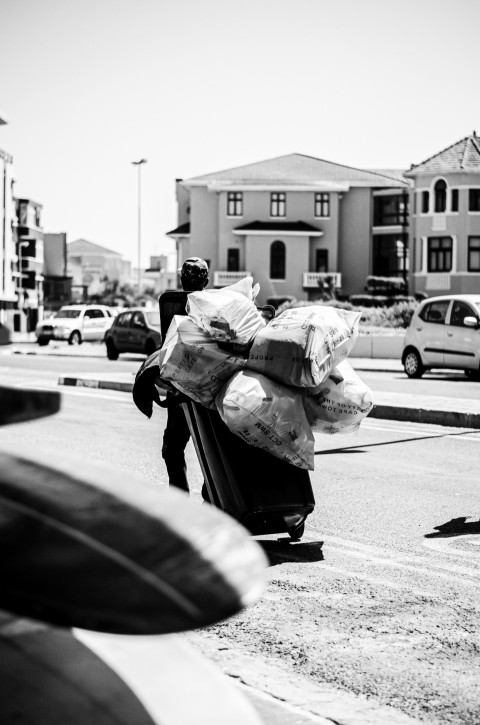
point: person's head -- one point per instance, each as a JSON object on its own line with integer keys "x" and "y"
{"x": 194, "y": 274}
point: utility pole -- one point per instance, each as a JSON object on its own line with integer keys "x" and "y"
{"x": 138, "y": 164}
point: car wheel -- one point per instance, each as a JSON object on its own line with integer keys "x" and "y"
{"x": 43, "y": 341}
{"x": 413, "y": 365}
{"x": 472, "y": 374}
{"x": 112, "y": 352}
{"x": 75, "y": 338}
{"x": 150, "y": 348}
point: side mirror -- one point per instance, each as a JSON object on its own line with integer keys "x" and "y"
{"x": 471, "y": 321}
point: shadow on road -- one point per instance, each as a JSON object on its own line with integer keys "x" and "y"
{"x": 455, "y": 527}
{"x": 360, "y": 446}
{"x": 284, "y": 550}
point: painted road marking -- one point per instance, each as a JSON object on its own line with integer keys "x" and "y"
{"x": 414, "y": 563}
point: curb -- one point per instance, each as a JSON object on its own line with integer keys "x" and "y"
{"x": 408, "y": 414}
{"x": 451, "y": 418}
{"x": 98, "y": 384}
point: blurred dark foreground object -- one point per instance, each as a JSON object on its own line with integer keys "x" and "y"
{"x": 99, "y": 549}
{"x": 92, "y": 548}
{"x": 17, "y": 405}
{"x": 52, "y": 676}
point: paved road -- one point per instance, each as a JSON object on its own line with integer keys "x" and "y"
{"x": 373, "y": 618}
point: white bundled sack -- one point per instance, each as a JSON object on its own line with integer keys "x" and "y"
{"x": 192, "y": 361}
{"x": 227, "y": 314}
{"x": 267, "y": 415}
{"x": 302, "y": 345}
{"x": 340, "y": 404}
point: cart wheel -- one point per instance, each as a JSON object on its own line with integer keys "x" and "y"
{"x": 297, "y": 533}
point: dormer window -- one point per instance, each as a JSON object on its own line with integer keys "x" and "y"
{"x": 234, "y": 203}
{"x": 278, "y": 203}
{"x": 440, "y": 196}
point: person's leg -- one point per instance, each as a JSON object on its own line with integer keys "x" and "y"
{"x": 175, "y": 439}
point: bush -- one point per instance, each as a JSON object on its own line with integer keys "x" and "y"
{"x": 396, "y": 316}
{"x": 388, "y": 286}
{"x": 378, "y": 300}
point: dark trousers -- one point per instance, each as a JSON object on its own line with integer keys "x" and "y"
{"x": 175, "y": 439}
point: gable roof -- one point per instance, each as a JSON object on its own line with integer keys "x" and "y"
{"x": 464, "y": 155}
{"x": 83, "y": 246}
{"x": 296, "y": 170}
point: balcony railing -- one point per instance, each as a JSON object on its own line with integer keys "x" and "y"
{"x": 438, "y": 281}
{"x": 311, "y": 279}
{"x": 223, "y": 279}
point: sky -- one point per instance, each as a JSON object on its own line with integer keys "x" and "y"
{"x": 197, "y": 86}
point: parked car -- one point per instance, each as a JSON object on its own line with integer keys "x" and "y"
{"x": 75, "y": 323}
{"x": 5, "y": 335}
{"x": 444, "y": 332}
{"x": 135, "y": 330}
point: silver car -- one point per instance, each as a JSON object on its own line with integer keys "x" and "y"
{"x": 444, "y": 332}
{"x": 75, "y": 323}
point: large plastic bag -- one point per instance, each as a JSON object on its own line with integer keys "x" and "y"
{"x": 193, "y": 362}
{"x": 340, "y": 403}
{"x": 268, "y": 415}
{"x": 302, "y": 345}
{"x": 228, "y": 314}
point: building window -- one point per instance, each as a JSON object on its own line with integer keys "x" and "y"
{"x": 474, "y": 254}
{"x": 277, "y": 260}
{"x": 474, "y": 200}
{"x": 321, "y": 260}
{"x": 390, "y": 210}
{"x": 390, "y": 255}
{"x": 322, "y": 205}
{"x": 234, "y": 203}
{"x": 440, "y": 254}
{"x": 278, "y": 203}
{"x": 440, "y": 196}
{"x": 454, "y": 200}
{"x": 233, "y": 259}
{"x": 425, "y": 202}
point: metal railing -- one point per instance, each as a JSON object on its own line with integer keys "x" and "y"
{"x": 311, "y": 279}
{"x": 223, "y": 279}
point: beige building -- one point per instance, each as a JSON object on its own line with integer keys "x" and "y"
{"x": 445, "y": 220}
{"x": 98, "y": 262}
{"x": 293, "y": 220}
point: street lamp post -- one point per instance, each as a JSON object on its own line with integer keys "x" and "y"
{"x": 139, "y": 217}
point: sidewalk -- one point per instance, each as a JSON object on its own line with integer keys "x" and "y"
{"x": 437, "y": 410}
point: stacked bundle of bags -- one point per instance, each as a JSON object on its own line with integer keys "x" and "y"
{"x": 273, "y": 384}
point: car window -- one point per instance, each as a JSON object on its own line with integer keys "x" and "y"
{"x": 138, "y": 320}
{"x": 95, "y": 314}
{"x": 124, "y": 320}
{"x": 460, "y": 310}
{"x": 67, "y": 313}
{"x": 435, "y": 312}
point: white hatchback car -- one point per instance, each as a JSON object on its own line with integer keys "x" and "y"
{"x": 75, "y": 323}
{"x": 444, "y": 332}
